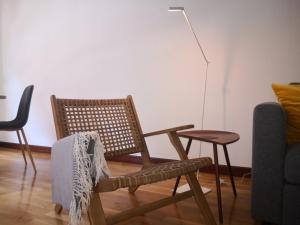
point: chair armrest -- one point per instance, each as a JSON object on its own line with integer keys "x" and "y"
{"x": 268, "y": 156}
{"x": 174, "y": 129}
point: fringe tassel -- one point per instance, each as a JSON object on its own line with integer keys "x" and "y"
{"x": 86, "y": 169}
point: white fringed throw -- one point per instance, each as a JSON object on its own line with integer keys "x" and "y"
{"x": 88, "y": 167}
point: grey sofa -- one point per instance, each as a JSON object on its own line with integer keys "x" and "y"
{"x": 275, "y": 168}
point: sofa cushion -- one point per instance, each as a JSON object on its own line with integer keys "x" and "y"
{"x": 291, "y": 205}
{"x": 292, "y": 164}
{"x": 289, "y": 98}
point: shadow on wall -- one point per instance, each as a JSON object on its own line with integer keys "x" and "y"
{"x": 232, "y": 43}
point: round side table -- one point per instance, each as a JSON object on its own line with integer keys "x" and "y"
{"x": 216, "y": 138}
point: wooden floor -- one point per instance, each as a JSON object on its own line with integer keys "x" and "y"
{"x": 26, "y": 199}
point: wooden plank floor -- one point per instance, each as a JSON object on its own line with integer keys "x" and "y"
{"x": 26, "y": 199}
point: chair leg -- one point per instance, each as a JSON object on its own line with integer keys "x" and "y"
{"x": 229, "y": 170}
{"x": 21, "y": 146}
{"x": 89, "y": 217}
{"x": 131, "y": 190}
{"x": 95, "y": 210}
{"x": 178, "y": 178}
{"x": 28, "y": 150}
{"x": 200, "y": 199}
{"x": 58, "y": 208}
{"x": 218, "y": 184}
{"x": 193, "y": 182}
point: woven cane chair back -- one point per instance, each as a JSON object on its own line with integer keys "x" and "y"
{"x": 115, "y": 120}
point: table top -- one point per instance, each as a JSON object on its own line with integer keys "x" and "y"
{"x": 211, "y": 136}
{"x": 2, "y": 97}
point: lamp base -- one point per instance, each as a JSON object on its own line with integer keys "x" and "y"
{"x": 186, "y": 187}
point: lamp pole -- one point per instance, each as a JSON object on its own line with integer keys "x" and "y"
{"x": 181, "y": 9}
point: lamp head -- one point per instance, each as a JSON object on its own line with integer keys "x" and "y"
{"x": 176, "y": 9}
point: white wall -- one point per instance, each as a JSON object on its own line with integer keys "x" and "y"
{"x": 108, "y": 49}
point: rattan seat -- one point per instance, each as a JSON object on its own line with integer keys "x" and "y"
{"x": 117, "y": 124}
{"x": 155, "y": 173}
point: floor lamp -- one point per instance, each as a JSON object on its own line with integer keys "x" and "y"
{"x": 181, "y": 10}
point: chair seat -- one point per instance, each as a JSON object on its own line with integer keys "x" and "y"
{"x": 10, "y": 125}
{"x": 155, "y": 173}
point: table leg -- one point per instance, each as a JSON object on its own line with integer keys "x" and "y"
{"x": 178, "y": 178}
{"x": 229, "y": 169}
{"x": 218, "y": 183}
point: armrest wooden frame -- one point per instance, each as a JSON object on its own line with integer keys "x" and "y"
{"x": 174, "y": 129}
{"x": 95, "y": 211}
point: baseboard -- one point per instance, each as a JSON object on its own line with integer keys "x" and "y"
{"x": 34, "y": 148}
{"x": 236, "y": 170}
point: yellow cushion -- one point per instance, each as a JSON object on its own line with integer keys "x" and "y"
{"x": 289, "y": 98}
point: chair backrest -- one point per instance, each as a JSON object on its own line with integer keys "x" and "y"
{"x": 24, "y": 106}
{"x": 115, "y": 120}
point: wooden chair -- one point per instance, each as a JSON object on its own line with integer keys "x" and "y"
{"x": 117, "y": 123}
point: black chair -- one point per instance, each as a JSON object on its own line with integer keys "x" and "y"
{"x": 20, "y": 121}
